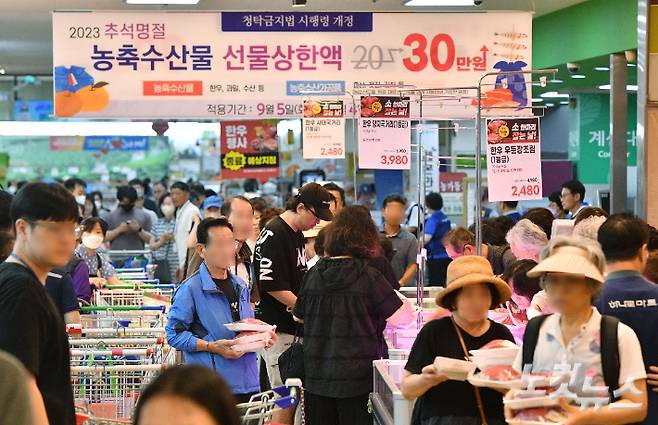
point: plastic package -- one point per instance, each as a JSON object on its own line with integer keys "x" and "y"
{"x": 454, "y": 369}
{"x": 251, "y": 342}
{"x": 497, "y": 377}
{"x": 539, "y": 416}
{"x": 249, "y": 325}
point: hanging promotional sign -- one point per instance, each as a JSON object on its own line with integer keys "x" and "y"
{"x": 385, "y": 133}
{"x": 429, "y": 137}
{"x": 513, "y": 159}
{"x": 250, "y": 150}
{"x": 255, "y": 65}
{"x": 323, "y": 129}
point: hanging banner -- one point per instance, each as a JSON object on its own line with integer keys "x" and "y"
{"x": 452, "y": 190}
{"x": 250, "y": 150}
{"x": 255, "y": 65}
{"x": 429, "y": 137}
{"x": 513, "y": 159}
{"x": 323, "y": 129}
{"x": 384, "y": 133}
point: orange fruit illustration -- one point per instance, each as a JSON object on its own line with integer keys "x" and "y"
{"x": 94, "y": 98}
{"x": 67, "y": 104}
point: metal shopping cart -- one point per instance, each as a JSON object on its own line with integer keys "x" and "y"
{"x": 260, "y": 408}
{"x": 133, "y": 261}
{"x": 116, "y": 353}
{"x": 134, "y": 293}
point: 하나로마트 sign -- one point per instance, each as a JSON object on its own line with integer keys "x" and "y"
{"x": 259, "y": 64}
{"x": 250, "y": 150}
{"x": 513, "y": 159}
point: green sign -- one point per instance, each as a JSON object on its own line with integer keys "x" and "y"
{"x": 589, "y": 137}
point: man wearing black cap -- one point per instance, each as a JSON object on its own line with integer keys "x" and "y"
{"x": 280, "y": 265}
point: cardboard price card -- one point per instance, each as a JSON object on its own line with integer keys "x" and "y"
{"x": 385, "y": 133}
{"x": 514, "y": 159}
{"x": 323, "y": 129}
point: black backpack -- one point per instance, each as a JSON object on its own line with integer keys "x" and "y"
{"x": 609, "y": 349}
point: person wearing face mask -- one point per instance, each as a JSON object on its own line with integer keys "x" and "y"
{"x": 162, "y": 241}
{"x": 129, "y": 226}
{"x": 78, "y": 188}
{"x": 97, "y": 196}
{"x": 89, "y": 209}
{"x": 101, "y": 272}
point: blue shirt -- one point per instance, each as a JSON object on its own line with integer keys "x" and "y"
{"x": 515, "y": 216}
{"x": 199, "y": 298}
{"x": 437, "y": 225}
{"x": 633, "y": 299}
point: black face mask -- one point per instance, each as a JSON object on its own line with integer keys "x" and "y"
{"x": 127, "y": 207}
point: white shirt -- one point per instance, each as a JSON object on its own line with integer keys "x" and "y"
{"x": 183, "y": 225}
{"x": 310, "y": 263}
{"x": 584, "y": 349}
{"x": 539, "y": 305}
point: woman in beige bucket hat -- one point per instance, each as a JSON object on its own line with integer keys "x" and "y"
{"x": 472, "y": 289}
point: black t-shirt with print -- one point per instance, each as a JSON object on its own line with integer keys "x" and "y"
{"x": 279, "y": 265}
{"x": 226, "y": 286}
{"x": 32, "y": 329}
{"x": 454, "y": 398}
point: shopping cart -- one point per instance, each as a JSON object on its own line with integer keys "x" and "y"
{"x": 134, "y": 293}
{"x": 261, "y": 407}
{"x": 118, "y": 317}
{"x": 127, "y": 260}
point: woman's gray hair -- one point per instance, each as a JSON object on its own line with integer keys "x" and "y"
{"x": 589, "y": 228}
{"x": 528, "y": 235}
{"x": 592, "y": 248}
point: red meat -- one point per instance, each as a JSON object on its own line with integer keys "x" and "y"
{"x": 498, "y": 343}
{"x": 500, "y": 373}
{"x": 534, "y": 414}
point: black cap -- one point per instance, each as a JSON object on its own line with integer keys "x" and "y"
{"x": 315, "y": 196}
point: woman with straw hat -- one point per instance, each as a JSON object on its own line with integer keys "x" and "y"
{"x": 472, "y": 290}
{"x": 596, "y": 351}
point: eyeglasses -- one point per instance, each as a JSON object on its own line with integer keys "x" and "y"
{"x": 314, "y": 213}
{"x": 564, "y": 195}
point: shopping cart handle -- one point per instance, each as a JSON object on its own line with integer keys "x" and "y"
{"x": 286, "y": 402}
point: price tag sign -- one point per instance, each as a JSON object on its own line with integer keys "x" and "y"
{"x": 323, "y": 128}
{"x": 385, "y": 133}
{"x": 513, "y": 159}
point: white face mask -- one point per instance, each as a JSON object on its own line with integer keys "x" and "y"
{"x": 80, "y": 199}
{"x": 98, "y": 204}
{"x": 168, "y": 210}
{"x": 92, "y": 241}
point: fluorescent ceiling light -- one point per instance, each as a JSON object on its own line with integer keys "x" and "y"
{"x": 188, "y": 2}
{"x": 601, "y": 68}
{"x": 630, "y": 87}
{"x": 556, "y": 81}
{"x": 578, "y": 76}
{"x": 536, "y": 83}
{"x": 564, "y": 102}
{"x": 550, "y": 105}
{"x": 630, "y": 64}
{"x": 438, "y": 2}
{"x": 554, "y": 95}
{"x": 537, "y": 99}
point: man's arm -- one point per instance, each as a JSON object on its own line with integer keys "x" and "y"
{"x": 72, "y": 318}
{"x": 409, "y": 274}
{"x": 114, "y": 233}
{"x": 284, "y": 297}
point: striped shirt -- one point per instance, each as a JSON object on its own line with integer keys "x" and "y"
{"x": 167, "y": 251}
{"x": 106, "y": 268}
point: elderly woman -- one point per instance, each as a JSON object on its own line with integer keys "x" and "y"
{"x": 588, "y": 228}
{"x": 578, "y": 337}
{"x": 526, "y": 240}
{"x": 472, "y": 290}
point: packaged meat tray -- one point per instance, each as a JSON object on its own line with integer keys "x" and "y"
{"x": 499, "y": 376}
{"x": 454, "y": 369}
{"x": 527, "y": 399}
{"x": 539, "y": 416}
{"x": 251, "y": 342}
{"x": 249, "y": 325}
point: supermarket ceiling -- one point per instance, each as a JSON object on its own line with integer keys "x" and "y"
{"x": 25, "y": 27}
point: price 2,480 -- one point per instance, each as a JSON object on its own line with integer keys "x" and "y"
{"x": 526, "y": 190}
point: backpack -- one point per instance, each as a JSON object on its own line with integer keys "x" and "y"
{"x": 609, "y": 349}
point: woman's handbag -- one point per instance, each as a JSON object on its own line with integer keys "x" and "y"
{"x": 291, "y": 361}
